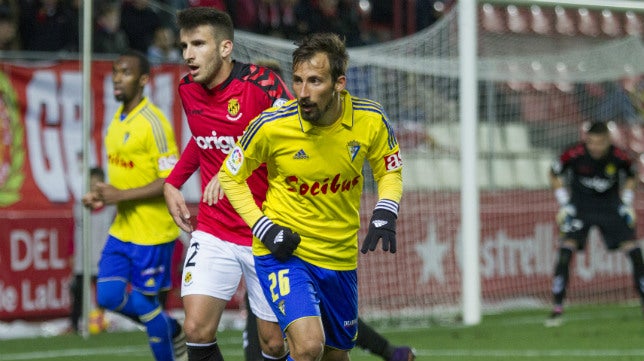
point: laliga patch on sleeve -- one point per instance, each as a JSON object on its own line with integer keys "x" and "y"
{"x": 393, "y": 161}
{"x": 279, "y": 102}
{"x": 235, "y": 160}
{"x": 166, "y": 163}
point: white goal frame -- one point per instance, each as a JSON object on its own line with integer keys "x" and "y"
{"x": 468, "y": 92}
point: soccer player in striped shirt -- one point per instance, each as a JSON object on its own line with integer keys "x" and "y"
{"x": 141, "y": 151}
{"x": 220, "y": 96}
{"x": 306, "y": 232}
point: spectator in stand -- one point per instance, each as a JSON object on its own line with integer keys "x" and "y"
{"x": 108, "y": 35}
{"x": 605, "y": 102}
{"x": 139, "y": 21}
{"x": 9, "y": 38}
{"x": 218, "y": 4}
{"x": 277, "y": 18}
{"x": 48, "y": 25}
{"x": 163, "y": 48}
{"x": 334, "y": 16}
{"x": 100, "y": 221}
{"x": 244, "y": 14}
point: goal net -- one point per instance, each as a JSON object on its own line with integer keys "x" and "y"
{"x": 538, "y": 85}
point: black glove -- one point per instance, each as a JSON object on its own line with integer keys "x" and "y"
{"x": 281, "y": 241}
{"x": 382, "y": 225}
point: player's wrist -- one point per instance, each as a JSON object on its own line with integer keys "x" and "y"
{"x": 387, "y": 205}
{"x": 562, "y": 196}
{"x": 261, "y": 227}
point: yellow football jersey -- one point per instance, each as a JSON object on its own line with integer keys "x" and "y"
{"x": 315, "y": 175}
{"x": 140, "y": 149}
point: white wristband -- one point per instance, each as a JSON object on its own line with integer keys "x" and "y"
{"x": 562, "y": 196}
{"x": 628, "y": 196}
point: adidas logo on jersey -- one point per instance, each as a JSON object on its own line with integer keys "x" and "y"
{"x": 301, "y": 155}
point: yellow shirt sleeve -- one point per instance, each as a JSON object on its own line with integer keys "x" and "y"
{"x": 390, "y": 186}
{"x": 240, "y": 197}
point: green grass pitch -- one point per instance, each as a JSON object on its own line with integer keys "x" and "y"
{"x": 606, "y": 332}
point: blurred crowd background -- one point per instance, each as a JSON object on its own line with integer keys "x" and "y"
{"x": 148, "y": 25}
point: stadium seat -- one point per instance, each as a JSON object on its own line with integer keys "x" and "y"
{"x": 490, "y": 138}
{"x": 610, "y": 24}
{"x": 491, "y": 19}
{"x": 633, "y": 24}
{"x": 544, "y": 163}
{"x": 503, "y": 174}
{"x": 450, "y": 172}
{"x": 517, "y": 138}
{"x": 540, "y": 23}
{"x": 444, "y": 134}
{"x": 564, "y": 23}
{"x": 529, "y": 174}
{"x": 517, "y": 22}
{"x": 587, "y": 22}
{"x": 483, "y": 174}
{"x": 420, "y": 173}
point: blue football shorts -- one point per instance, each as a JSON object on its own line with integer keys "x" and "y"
{"x": 296, "y": 289}
{"x": 146, "y": 268}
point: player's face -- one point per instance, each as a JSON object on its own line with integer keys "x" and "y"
{"x": 126, "y": 78}
{"x": 317, "y": 93}
{"x": 597, "y": 145}
{"x": 203, "y": 54}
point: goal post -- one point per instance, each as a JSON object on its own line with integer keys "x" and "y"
{"x": 496, "y": 129}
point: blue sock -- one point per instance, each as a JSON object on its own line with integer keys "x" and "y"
{"x": 159, "y": 326}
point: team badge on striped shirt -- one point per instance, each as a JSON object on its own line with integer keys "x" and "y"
{"x": 353, "y": 147}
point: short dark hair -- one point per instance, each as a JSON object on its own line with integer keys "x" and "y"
{"x": 144, "y": 63}
{"x": 191, "y": 18}
{"x": 598, "y": 128}
{"x": 97, "y": 172}
{"x": 327, "y": 43}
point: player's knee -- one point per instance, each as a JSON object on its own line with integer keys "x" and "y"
{"x": 110, "y": 295}
{"x": 308, "y": 350}
{"x": 275, "y": 347}
{"x": 198, "y": 331}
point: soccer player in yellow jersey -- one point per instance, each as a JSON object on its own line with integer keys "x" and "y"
{"x": 306, "y": 234}
{"x": 141, "y": 151}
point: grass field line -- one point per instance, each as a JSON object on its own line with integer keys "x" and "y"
{"x": 530, "y": 353}
{"x": 43, "y": 355}
{"x": 144, "y": 350}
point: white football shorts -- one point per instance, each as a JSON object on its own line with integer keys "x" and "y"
{"x": 214, "y": 267}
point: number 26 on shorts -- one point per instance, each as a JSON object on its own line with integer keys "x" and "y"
{"x": 280, "y": 284}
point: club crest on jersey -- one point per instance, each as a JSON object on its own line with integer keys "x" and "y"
{"x": 610, "y": 169}
{"x": 235, "y": 160}
{"x": 233, "y": 110}
{"x": 353, "y": 147}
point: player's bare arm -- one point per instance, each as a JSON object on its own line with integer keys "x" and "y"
{"x": 177, "y": 207}
{"x": 112, "y": 195}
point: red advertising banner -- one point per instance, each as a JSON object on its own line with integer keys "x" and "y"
{"x": 41, "y": 144}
